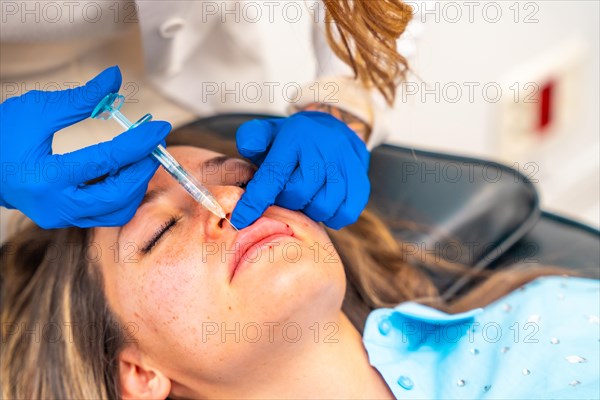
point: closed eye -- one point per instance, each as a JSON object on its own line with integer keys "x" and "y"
{"x": 164, "y": 228}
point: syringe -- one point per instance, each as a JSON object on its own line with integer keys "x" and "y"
{"x": 109, "y": 108}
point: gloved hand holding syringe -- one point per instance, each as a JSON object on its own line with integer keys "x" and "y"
{"x": 110, "y": 107}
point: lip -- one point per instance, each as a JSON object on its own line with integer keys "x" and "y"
{"x": 262, "y": 229}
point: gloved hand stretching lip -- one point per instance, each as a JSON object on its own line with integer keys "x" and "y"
{"x": 50, "y": 188}
{"x": 309, "y": 161}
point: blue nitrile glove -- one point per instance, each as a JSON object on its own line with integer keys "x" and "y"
{"x": 49, "y": 188}
{"x": 310, "y": 161}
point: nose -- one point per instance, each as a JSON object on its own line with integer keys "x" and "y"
{"x": 227, "y": 197}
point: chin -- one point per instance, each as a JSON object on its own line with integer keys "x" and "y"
{"x": 302, "y": 291}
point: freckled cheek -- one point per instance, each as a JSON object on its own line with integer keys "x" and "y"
{"x": 175, "y": 293}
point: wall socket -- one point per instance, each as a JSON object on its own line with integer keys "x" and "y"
{"x": 541, "y": 98}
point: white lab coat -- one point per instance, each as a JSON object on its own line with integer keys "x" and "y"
{"x": 256, "y": 56}
{"x": 190, "y": 53}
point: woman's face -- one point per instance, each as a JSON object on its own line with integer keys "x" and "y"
{"x": 204, "y": 301}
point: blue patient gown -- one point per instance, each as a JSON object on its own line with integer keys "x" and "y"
{"x": 541, "y": 341}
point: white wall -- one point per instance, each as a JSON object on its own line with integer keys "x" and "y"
{"x": 453, "y": 50}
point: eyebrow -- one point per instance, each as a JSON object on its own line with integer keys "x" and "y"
{"x": 154, "y": 194}
{"x": 217, "y": 161}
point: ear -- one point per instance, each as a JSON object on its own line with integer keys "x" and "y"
{"x": 139, "y": 381}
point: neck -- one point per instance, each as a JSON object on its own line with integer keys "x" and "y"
{"x": 332, "y": 365}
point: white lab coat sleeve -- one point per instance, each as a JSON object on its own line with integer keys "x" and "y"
{"x": 335, "y": 83}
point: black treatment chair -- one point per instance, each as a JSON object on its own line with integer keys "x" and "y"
{"x": 480, "y": 213}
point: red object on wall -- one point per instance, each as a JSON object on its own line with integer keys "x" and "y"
{"x": 546, "y": 106}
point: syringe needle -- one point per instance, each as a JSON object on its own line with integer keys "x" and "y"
{"x": 232, "y": 225}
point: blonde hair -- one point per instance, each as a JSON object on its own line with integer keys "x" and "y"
{"x": 59, "y": 338}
